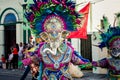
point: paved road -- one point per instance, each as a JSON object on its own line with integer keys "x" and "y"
{"x": 12, "y": 75}
{"x": 15, "y": 75}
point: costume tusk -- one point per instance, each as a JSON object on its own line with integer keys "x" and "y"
{"x": 47, "y": 49}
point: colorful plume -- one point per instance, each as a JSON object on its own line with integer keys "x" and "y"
{"x": 110, "y": 37}
{"x": 41, "y": 9}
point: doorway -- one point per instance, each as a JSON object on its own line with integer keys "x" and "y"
{"x": 9, "y": 33}
{"x": 86, "y": 48}
{"x": 9, "y": 38}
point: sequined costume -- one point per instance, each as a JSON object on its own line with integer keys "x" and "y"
{"x": 110, "y": 39}
{"x": 111, "y": 64}
{"x": 52, "y": 21}
{"x": 56, "y": 66}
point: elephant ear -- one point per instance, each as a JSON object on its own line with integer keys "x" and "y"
{"x": 65, "y": 34}
{"x": 75, "y": 71}
{"x": 44, "y": 36}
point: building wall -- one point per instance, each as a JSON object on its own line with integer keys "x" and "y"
{"x": 8, "y": 6}
{"x": 107, "y": 8}
{"x": 1, "y": 40}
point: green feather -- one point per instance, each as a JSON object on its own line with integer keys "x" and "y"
{"x": 105, "y": 23}
{"x": 118, "y": 19}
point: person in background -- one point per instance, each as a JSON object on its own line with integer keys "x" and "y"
{"x": 10, "y": 61}
{"x": 15, "y": 56}
{"x": 3, "y": 61}
{"x": 28, "y": 68}
{"x": 20, "y": 54}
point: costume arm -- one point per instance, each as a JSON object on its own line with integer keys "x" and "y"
{"x": 26, "y": 61}
{"x": 31, "y": 57}
{"x": 77, "y": 59}
{"x": 103, "y": 63}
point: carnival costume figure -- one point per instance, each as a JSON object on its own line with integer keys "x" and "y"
{"x": 110, "y": 36}
{"x": 52, "y": 20}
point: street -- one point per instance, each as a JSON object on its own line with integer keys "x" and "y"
{"x": 15, "y": 75}
{"x": 12, "y": 75}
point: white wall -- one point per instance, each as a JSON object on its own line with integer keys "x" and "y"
{"x": 1, "y": 41}
{"x": 107, "y": 8}
{"x": 98, "y": 54}
{"x": 76, "y": 44}
{"x": 14, "y": 4}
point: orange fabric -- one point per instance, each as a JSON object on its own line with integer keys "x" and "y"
{"x": 3, "y": 59}
{"x": 15, "y": 51}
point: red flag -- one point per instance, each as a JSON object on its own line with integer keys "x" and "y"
{"x": 82, "y": 31}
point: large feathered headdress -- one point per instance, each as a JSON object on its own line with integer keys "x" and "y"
{"x": 110, "y": 37}
{"x": 62, "y": 11}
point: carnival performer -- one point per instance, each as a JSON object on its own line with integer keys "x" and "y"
{"x": 110, "y": 36}
{"x": 52, "y": 21}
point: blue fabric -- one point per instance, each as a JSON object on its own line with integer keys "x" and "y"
{"x": 56, "y": 73}
{"x": 78, "y": 55}
{"x": 40, "y": 71}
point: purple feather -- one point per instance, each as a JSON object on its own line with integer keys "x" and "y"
{"x": 72, "y": 7}
{"x": 45, "y": 1}
{"x": 63, "y": 1}
{"x": 34, "y": 7}
{"x": 39, "y": 4}
{"x": 56, "y": 1}
{"x": 30, "y": 16}
{"x": 78, "y": 21}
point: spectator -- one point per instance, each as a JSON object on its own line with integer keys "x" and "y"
{"x": 15, "y": 56}
{"x": 28, "y": 68}
{"x": 3, "y": 61}
{"x": 10, "y": 61}
{"x": 20, "y": 54}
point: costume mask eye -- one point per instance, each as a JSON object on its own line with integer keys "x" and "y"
{"x": 115, "y": 52}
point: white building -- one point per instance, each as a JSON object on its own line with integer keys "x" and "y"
{"x": 11, "y": 25}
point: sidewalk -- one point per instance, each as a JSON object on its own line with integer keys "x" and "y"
{"x": 88, "y": 75}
